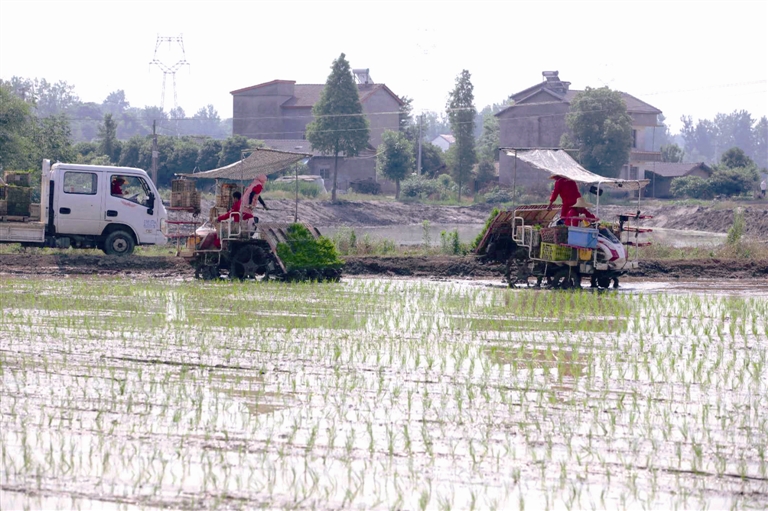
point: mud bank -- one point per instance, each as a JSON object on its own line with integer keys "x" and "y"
{"x": 443, "y": 266}
{"x": 419, "y": 266}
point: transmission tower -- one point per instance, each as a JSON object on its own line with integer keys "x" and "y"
{"x": 169, "y": 69}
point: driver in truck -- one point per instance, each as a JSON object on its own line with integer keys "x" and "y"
{"x": 117, "y": 185}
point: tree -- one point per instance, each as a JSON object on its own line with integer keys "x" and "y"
{"x": 601, "y": 129}
{"x": 461, "y": 114}
{"x": 232, "y": 150}
{"x": 108, "y": 144}
{"x": 432, "y": 159}
{"x": 130, "y": 155}
{"x": 672, "y": 153}
{"x": 14, "y": 121}
{"x": 115, "y": 103}
{"x": 488, "y": 144}
{"x": 52, "y": 139}
{"x": 761, "y": 143}
{"x": 395, "y": 159}
{"x": 208, "y": 155}
{"x": 486, "y": 172}
{"x": 735, "y": 158}
{"x": 339, "y": 125}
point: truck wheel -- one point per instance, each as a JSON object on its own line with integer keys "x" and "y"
{"x": 119, "y": 243}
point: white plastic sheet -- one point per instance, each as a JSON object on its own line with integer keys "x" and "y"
{"x": 558, "y": 162}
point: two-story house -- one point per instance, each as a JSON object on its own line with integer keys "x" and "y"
{"x": 537, "y": 119}
{"x": 278, "y": 112}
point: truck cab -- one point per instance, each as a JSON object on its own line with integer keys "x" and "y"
{"x": 94, "y": 206}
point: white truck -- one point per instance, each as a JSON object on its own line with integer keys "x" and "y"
{"x": 92, "y": 206}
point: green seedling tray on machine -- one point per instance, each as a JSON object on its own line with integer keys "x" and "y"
{"x": 552, "y": 252}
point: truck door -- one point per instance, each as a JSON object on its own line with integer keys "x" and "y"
{"x": 128, "y": 203}
{"x": 78, "y": 205}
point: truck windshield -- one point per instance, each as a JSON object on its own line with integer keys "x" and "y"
{"x": 131, "y": 188}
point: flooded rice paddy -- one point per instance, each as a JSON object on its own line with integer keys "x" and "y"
{"x": 376, "y": 394}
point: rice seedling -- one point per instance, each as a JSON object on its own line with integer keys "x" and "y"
{"x": 378, "y": 394}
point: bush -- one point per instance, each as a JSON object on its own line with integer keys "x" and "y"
{"x": 731, "y": 182}
{"x": 418, "y": 187}
{"x": 347, "y": 243}
{"x": 308, "y": 190}
{"x": 694, "y": 187}
{"x": 450, "y": 244}
{"x": 737, "y": 228}
{"x": 367, "y": 186}
{"x": 498, "y": 195}
{"x": 302, "y": 251}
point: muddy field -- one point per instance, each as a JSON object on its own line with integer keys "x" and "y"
{"x": 378, "y": 394}
{"x": 72, "y": 263}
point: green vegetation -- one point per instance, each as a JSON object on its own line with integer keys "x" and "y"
{"x": 303, "y": 252}
{"x": 735, "y": 175}
{"x": 460, "y": 108}
{"x": 395, "y": 159}
{"x": 339, "y": 125}
{"x": 386, "y": 394}
{"x": 493, "y": 214}
{"x": 601, "y": 130}
{"x": 306, "y": 190}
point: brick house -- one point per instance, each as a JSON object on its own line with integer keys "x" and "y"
{"x": 537, "y": 119}
{"x": 278, "y": 113}
{"x": 661, "y": 175}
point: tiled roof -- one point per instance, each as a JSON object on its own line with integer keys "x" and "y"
{"x": 448, "y": 138}
{"x": 299, "y": 145}
{"x": 306, "y": 95}
{"x": 634, "y": 105}
{"x": 669, "y": 169}
{"x": 293, "y": 145}
{"x": 261, "y": 85}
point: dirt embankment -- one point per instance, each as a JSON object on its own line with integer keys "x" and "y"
{"x": 714, "y": 218}
{"x": 369, "y": 213}
{"x": 417, "y": 266}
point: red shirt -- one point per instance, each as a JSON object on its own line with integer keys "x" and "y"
{"x": 568, "y": 191}
{"x": 117, "y": 188}
{"x": 235, "y": 209}
{"x": 571, "y": 217}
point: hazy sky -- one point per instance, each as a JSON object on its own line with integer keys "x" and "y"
{"x": 684, "y": 57}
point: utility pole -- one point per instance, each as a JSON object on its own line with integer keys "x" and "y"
{"x": 418, "y": 164}
{"x": 154, "y": 152}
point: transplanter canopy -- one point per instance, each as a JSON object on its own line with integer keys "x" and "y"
{"x": 260, "y": 161}
{"x": 558, "y": 162}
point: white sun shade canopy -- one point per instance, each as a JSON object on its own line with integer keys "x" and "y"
{"x": 559, "y": 163}
{"x": 260, "y": 161}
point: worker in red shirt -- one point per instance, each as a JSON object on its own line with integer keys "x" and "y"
{"x": 117, "y": 185}
{"x": 234, "y": 211}
{"x": 568, "y": 192}
{"x": 579, "y": 213}
{"x": 253, "y": 194}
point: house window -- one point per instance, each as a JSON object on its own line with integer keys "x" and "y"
{"x": 633, "y": 172}
{"x": 325, "y": 172}
{"x": 634, "y": 139}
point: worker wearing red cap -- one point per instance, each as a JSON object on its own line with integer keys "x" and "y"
{"x": 568, "y": 192}
{"x": 253, "y": 193}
